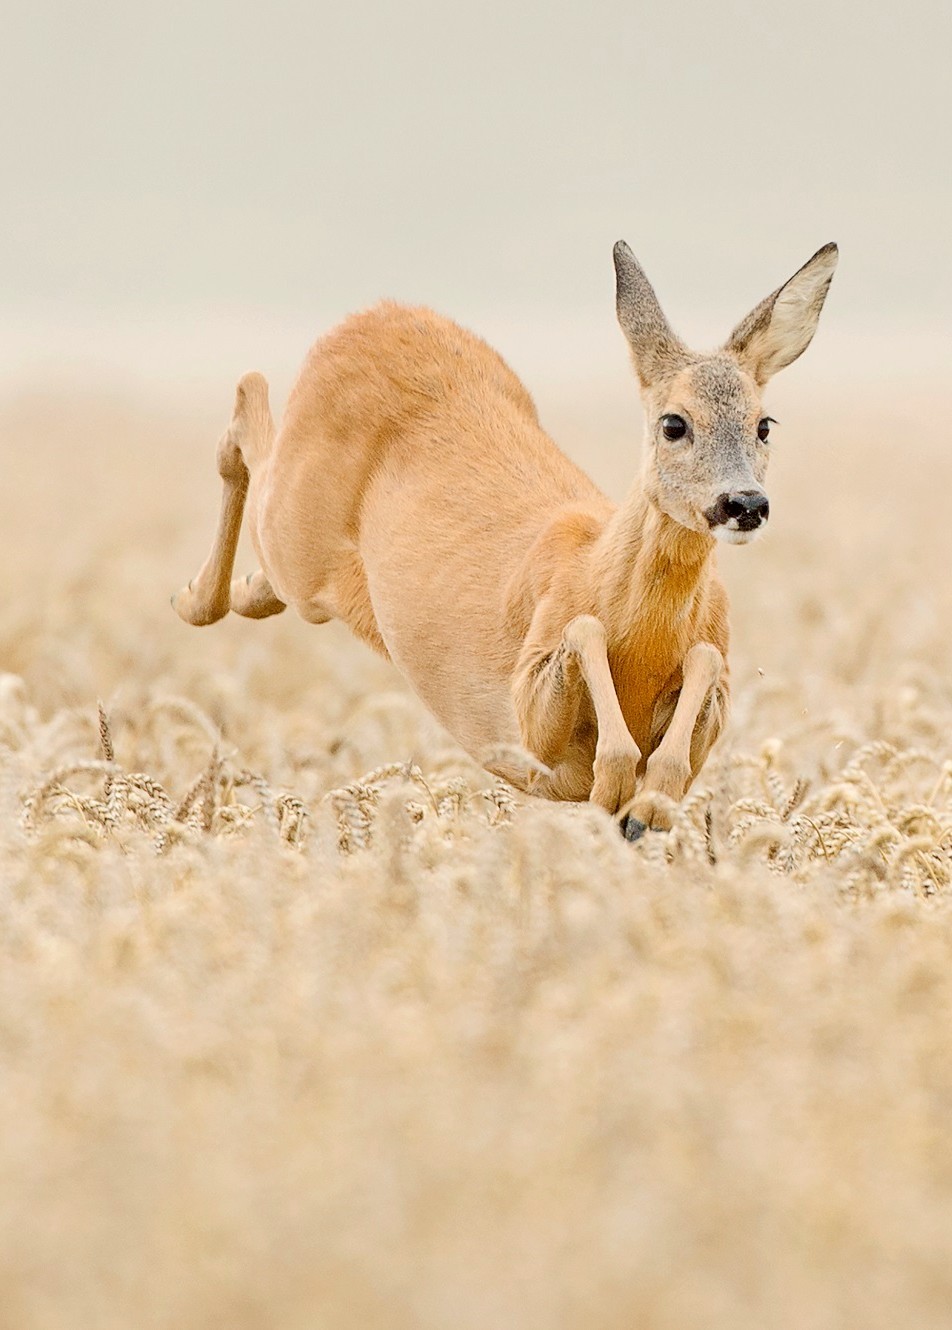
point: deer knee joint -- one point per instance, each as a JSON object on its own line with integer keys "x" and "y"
{"x": 705, "y": 660}
{"x": 582, "y": 633}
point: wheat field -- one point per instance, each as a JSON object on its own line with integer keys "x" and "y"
{"x": 306, "y": 1022}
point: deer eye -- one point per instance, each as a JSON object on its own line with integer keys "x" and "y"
{"x": 673, "y": 427}
{"x": 763, "y": 429}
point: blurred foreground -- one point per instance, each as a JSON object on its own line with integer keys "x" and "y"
{"x": 310, "y": 1023}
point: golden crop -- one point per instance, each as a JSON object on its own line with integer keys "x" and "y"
{"x": 305, "y": 1021}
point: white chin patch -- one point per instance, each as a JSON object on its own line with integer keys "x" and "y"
{"x": 732, "y": 535}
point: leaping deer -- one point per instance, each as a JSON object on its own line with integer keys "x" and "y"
{"x": 412, "y": 492}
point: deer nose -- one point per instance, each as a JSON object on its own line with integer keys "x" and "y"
{"x": 743, "y": 510}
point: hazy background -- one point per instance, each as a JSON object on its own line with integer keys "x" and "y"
{"x": 189, "y": 190}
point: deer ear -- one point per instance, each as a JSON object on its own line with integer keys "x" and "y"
{"x": 781, "y": 327}
{"x": 655, "y": 349}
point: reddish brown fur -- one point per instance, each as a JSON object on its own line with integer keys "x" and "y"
{"x": 412, "y": 493}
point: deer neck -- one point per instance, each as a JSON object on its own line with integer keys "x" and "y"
{"x": 651, "y": 570}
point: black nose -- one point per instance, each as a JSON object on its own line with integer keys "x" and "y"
{"x": 747, "y": 507}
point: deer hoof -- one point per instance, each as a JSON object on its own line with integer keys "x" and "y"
{"x": 632, "y": 829}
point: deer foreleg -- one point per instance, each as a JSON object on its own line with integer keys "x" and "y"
{"x": 686, "y": 743}
{"x": 548, "y": 694}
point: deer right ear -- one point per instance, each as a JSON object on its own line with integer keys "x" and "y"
{"x": 655, "y": 349}
{"x": 781, "y": 327}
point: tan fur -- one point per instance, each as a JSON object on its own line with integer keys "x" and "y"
{"x": 412, "y": 493}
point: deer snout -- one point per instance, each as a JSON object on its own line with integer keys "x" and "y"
{"x": 744, "y": 510}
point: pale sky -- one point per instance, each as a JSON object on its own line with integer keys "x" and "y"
{"x": 172, "y": 171}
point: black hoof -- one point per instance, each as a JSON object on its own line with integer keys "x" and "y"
{"x": 632, "y": 829}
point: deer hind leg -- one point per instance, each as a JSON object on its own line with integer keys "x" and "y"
{"x": 245, "y": 444}
{"x": 253, "y": 598}
{"x": 695, "y": 725}
{"x": 548, "y": 696}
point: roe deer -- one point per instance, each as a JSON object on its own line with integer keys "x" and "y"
{"x": 412, "y": 492}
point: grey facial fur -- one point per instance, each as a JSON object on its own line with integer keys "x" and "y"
{"x": 711, "y": 480}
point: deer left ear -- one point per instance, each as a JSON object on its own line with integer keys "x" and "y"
{"x": 655, "y": 349}
{"x": 781, "y": 327}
